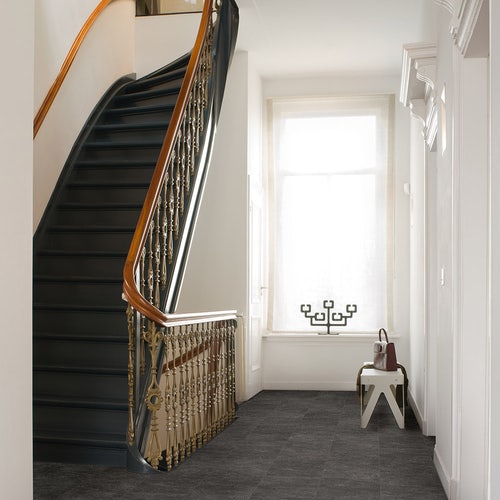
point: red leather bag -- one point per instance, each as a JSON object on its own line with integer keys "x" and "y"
{"x": 384, "y": 353}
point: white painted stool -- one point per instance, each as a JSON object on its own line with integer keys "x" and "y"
{"x": 378, "y": 382}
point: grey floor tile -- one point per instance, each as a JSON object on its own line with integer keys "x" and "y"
{"x": 283, "y": 445}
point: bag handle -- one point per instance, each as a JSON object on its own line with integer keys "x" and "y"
{"x": 380, "y": 335}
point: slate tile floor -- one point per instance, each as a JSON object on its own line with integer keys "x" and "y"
{"x": 284, "y": 445}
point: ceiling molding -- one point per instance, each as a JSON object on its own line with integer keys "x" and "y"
{"x": 446, "y": 4}
{"x": 417, "y": 90}
{"x": 464, "y": 22}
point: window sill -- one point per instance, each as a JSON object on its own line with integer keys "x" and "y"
{"x": 315, "y": 338}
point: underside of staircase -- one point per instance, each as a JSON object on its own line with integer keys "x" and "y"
{"x": 80, "y": 389}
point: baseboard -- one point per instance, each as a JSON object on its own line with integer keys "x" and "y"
{"x": 320, "y": 385}
{"x": 443, "y": 475}
{"x": 416, "y": 411}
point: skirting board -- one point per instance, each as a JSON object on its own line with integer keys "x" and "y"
{"x": 443, "y": 476}
{"x": 320, "y": 385}
{"x": 416, "y": 411}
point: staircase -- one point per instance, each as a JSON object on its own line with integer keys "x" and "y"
{"x": 80, "y": 389}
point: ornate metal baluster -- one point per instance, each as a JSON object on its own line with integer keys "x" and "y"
{"x": 142, "y": 280}
{"x": 182, "y": 170}
{"x": 171, "y": 208}
{"x": 164, "y": 229}
{"x": 206, "y": 384}
{"x": 192, "y": 388}
{"x": 131, "y": 373}
{"x": 153, "y": 397}
{"x": 182, "y": 393}
{"x": 169, "y": 357}
{"x": 189, "y": 157}
{"x": 199, "y": 383}
{"x": 150, "y": 280}
{"x": 175, "y": 399}
{"x": 177, "y": 195}
{"x": 157, "y": 255}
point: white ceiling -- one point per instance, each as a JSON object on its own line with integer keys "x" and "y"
{"x": 290, "y": 38}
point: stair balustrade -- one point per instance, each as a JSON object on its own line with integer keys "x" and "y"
{"x": 181, "y": 372}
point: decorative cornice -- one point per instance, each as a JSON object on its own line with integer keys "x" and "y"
{"x": 447, "y": 4}
{"x": 463, "y": 23}
{"x": 418, "y": 86}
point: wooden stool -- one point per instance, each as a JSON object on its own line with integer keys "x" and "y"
{"x": 379, "y": 382}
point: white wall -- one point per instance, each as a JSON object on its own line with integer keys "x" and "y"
{"x": 216, "y": 274}
{"x": 160, "y": 40}
{"x": 316, "y": 362}
{"x": 462, "y": 439}
{"x": 494, "y": 223}
{"x": 418, "y": 240}
{"x": 106, "y": 54}
{"x": 16, "y": 181}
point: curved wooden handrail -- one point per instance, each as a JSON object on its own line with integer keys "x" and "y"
{"x": 130, "y": 290}
{"x": 54, "y": 89}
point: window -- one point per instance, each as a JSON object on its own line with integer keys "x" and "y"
{"x": 331, "y": 210}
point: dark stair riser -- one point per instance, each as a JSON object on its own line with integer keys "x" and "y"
{"x": 126, "y": 132}
{"x": 59, "y": 264}
{"x": 83, "y": 384}
{"x": 120, "y": 215}
{"x": 49, "y": 448}
{"x": 77, "y": 353}
{"x": 103, "y": 172}
{"x": 74, "y": 292}
{"x": 103, "y": 193}
{"x": 136, "y": 116}
{"x": 125, "y": 151}
{"x": 67, "y": 418}
{"x": 149, "y": 97}
{"x": 67, "y": 321}
{"x": 72, "y": 239}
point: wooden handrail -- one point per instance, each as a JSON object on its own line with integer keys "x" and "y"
{"x": 54, "y": 89}
{"x": 130, "y": 291}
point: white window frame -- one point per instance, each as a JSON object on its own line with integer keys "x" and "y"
{"x": 343, "y": 105}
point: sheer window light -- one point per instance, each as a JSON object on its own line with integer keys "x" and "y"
{"x": 331, "y": 216}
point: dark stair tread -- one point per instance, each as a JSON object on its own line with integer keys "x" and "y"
{"x": 113, "y": 127}
{"x": 91, "y": 229}
{"x": 147, "y": 94}
{"x": 119, "y": 338}
{"x": 124, "y": 163}
{"x": 110, "y": 144}
{"x": 78, "y": 279}
{"x": 104, "y": 439}
{"x": 81, "y": 253}
{"x": 94, "y": 370}
{"x": 108, "y": 185}
{"x": 40, "y": 306}
{"x": 162, "y": 77}
{"x": 98, "y": 206}
{"x": 80, "y": 402}
{"x": 131, "y": 110}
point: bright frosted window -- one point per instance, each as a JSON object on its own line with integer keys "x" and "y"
{"x": 331, "y": 223}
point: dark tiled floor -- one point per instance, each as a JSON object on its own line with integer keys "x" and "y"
{"x": 284, "y": 445}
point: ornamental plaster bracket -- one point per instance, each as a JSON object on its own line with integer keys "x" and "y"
{"x": 418, "y": 91}
{"x": 464, "y": 19}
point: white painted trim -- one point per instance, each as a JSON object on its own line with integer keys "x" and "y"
{"x": 443, "y": 475}
{"x": 417, "y": 91}
{"x": 446, "y": 4}
{"x": 315, "y": 385}
{"x": 312, "y": 338}
{"x": 422, "y": 423}
{"x": 463, "y": 25}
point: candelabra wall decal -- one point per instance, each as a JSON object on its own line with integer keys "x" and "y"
{"x": 330, "y": 318}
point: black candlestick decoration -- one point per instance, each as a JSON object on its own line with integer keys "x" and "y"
{"x": 329, "y": 318}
